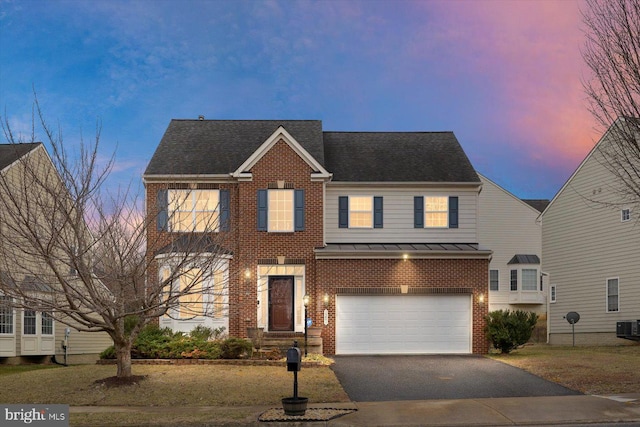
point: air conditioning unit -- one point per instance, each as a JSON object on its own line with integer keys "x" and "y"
{"x": 628, "y": 329}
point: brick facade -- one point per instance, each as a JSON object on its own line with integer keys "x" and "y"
{"x": 282, "y": 165}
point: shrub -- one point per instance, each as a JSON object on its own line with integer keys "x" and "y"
{"x": 235, "y": 348}
{"x": 108, "y": 353}
{"x": 205, "y": 334}
{"x": 509, "y": 329}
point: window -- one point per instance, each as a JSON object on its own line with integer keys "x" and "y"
{"x": 625, "y": 215}
{"x": 6, "y": 315}
{"x": 552, "y": 293}
{"x": 280, "y": 210}
{"x": 29, "y": 322}
{"x": 359, "y": 212}
{"x": 514, "y": 280}
{"x": 194, "y": 210}
{"x": 435, "y": 212}
{"x": 191, "y": 294}
{"x": 613, "y": 295}
{"x": 529, "y": 279}
{"x": 46, "y": 327}
{"x": 493, "y": 280}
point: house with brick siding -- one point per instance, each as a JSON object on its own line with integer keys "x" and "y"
{"x": 376, "y": 231}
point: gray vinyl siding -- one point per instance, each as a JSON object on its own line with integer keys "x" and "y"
{"x": 584, "y": 244}
{"x": 399, "y": 217}
{"x": 508, "y": 226}
{"x": 81, "y": 342}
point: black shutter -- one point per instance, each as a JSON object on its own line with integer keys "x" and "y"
{"x": 418, "y": 212}
{"x": 299, "y": 210}
{"x": 262, "y": 210}
{"x": 377, "y": 212}
{"x": 453, "y": 212}
{"x": 162, "y": 202}
{"x": 343, "y": 212}
{"x": 224, "y": 210}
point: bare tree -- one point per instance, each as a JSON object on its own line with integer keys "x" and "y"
{"x": 612, "y": 53}
{"x": 71, "y": 248}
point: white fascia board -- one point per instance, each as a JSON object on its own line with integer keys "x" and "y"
{"x": 281, "y": 133}
{"x": 222, "y": 178}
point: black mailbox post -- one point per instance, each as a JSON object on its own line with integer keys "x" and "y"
{"x": 294, "y": 405}
{"x": 294, "y": 359}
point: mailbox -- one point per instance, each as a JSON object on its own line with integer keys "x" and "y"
{"x": 294, "y": 359}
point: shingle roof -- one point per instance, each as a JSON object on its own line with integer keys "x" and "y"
{"x": 397, "y": 156}
{"x": 9, "y": 153}
{"x": 200, "y": 147}
{"x": 538, "y": 204}
{"x": 221, "y": 146}
{"x": 524, "y": 259}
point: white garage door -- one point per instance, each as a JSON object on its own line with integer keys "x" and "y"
{"x": 403, "y": 324}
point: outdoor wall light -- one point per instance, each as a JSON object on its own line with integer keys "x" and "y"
{"x": 305, "y": 300}
{"x": 405, "y": 257}
{"x": 481, "y": 299}
{"x": 325, "y": 299}
{"x": 247, "y": 273}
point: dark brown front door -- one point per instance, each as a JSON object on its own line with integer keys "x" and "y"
{"x": 281, "y": 303}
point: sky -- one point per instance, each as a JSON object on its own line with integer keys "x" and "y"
{"x": 504, "y": 76}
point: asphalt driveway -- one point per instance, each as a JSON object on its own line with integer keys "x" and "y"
{"x": 386, "y": 378}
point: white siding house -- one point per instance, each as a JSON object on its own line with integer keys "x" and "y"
{"x": 591, "y": 251}
{"x": 512, "y": 230}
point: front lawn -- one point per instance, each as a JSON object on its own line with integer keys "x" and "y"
{"x": 590, "y": 370}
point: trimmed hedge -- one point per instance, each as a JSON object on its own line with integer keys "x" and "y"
{"x": 509, "y": 329}
{"x": 156, "y": 343}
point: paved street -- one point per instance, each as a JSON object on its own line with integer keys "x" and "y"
{"x": 393, "y": 378}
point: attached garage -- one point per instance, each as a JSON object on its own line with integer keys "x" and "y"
{"x": 403, "y": 324}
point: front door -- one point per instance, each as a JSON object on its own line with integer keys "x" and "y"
{"x": 281, "y": 303}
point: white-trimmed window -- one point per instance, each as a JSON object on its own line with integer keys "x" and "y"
{"x": 280, "y": 210}
{"x": 436, "y": 212}
{"x": 29, "y": 320}
{"x": 613, "y": 295}
{"x": 7, "y": 316}
{"x": 625, "y": 215}
{"x": 514, "y": 280}
{"x": 494, "y": 276}
{"x": 552, "y": 293}
{"x": 529, "y": 279}
{"x": 194, "y": 210}
{"x": 190, "y": 300}
{"x": 360, "y": 211}
{"x": 46, "y": 324}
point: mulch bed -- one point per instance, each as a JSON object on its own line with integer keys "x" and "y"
{"x": 120, "y": 382}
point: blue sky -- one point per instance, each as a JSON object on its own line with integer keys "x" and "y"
{"x": 504, "y": 76}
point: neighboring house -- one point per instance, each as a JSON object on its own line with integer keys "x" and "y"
{"x": 379, "y": 230}
{"x": 591, "y": 251}
{"x": 512, "y": 229}
{"x": 31, "y": 333}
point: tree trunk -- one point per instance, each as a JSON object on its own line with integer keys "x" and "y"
{"x": 123, "y": 359}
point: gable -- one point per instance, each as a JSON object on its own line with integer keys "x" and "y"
{"x": 10, "y": 153}
{"x": 221, "y": 147}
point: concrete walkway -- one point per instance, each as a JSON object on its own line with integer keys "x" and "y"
{"x": 547, "y": 410}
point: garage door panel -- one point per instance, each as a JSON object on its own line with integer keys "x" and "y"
{"x": 416, "y": 324}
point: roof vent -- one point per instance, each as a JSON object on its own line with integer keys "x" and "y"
{"x": 200, "y": 117}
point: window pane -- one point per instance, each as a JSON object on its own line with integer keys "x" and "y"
{"x": 6, "y": 315}
{"x": 436, "y": 211}
{"x": 361, "y": 211}
{"x": 493, "y": 280}
{"x": 361, "y": 219}
{"x": 47, "y": 324}
{"x": 361, "y": 203}
{"x": 529, "y": 279}
{"x": 280, "y": 210}
{"x": 514, "y": 280}
{"x": 194, "y": 210}
{"x": 191, "y": 301}
{"x": 29, "y": 327}
{"x": 612, "y": 295}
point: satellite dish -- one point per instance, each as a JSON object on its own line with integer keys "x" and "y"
{"x": 572, "y": 317}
